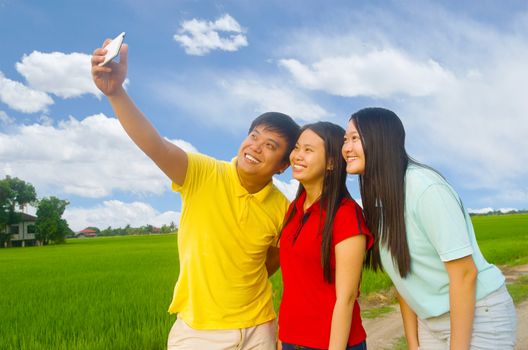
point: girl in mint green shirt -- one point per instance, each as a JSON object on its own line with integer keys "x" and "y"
{"x": 450, "y": 296}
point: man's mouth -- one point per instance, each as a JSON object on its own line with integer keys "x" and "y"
{"x": 251, "y": 158}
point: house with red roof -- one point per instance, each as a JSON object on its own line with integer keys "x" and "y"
{"x": 86, "y": 233}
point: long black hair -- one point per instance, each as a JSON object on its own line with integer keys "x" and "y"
{"x": 334, "y": 186}
{"x": 382, "y": 185}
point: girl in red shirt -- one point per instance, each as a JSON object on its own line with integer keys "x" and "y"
{"x": 322, "y": 247}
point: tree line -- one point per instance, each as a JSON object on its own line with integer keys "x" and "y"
{"x": 498, "y": 212}
{"x": 15, "y": 195}
{"x": 130, "y": 231}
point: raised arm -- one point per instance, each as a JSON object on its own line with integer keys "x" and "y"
{"x": 171, "y": 159}
{"x": 349, "y": 255}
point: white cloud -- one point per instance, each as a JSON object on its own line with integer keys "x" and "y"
{"x": 289, "y": 189}
{"x": 464, "y": 114}
{"x": 21, "y": 98}
{"x": 5, "y": 119}
{"x": 92, "y": 158}
{"x": 186, "y": 146}
{"x": 380, "y": 73}
{"x": 116, "y": 213}
{"x": 268, "y": 95}
{"x": 233, "y": 102}
{"x": 199, "y": 37}
{"x": 479, "y": 123}
{"x": 65, "y": 75}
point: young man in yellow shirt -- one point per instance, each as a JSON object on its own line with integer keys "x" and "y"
{"x": 231, "y": 217}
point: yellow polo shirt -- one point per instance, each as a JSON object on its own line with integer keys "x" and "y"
{"x": 223, "y": 238}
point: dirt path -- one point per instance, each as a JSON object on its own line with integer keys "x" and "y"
{"x": 384, "y": 331}
{"x": 522, "y": 326}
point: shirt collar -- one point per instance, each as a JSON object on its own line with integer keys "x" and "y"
{"x": 299, "y": 203}
{"x": 240, "y": 191}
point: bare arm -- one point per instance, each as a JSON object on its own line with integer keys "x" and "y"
{"x": 349, "y": 255}
{"x": 171, "y": 159}
{"x": 410, "y": 324}
{"x": 462, "y": 287}
{"x": 272, "y": 260}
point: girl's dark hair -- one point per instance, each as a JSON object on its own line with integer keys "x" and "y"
{"x": 334, "y": 186}
{"x": 382, "y": 184}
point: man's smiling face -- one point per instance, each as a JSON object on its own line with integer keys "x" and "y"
{"x": 261, "y": 154}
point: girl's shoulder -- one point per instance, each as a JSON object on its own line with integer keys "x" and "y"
{"x": 420, "y": 177}
{"x": 348, "y": 204}
{"x": 350, "y": 212}
{"x": 350, "y": 221}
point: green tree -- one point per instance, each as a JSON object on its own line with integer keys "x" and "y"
{"x": 107, "y": 231}
{"x": 50, "y": 225}
{"x": 14, "y": 194}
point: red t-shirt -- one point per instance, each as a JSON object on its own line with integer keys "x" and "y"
{"x": 305, "y": 315}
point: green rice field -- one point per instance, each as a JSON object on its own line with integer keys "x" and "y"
{"x": 113, "y": 293}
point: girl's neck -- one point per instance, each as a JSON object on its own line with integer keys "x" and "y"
{"x": 313, "y": 193}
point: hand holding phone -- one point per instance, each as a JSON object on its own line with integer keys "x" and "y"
{"x": 112, "y": 49}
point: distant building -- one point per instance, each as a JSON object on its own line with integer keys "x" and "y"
{"x": 23, "y": 233}
{"x": 86, "y": 233}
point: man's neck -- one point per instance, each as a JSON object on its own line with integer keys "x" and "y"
{"x": 251, "y": 184}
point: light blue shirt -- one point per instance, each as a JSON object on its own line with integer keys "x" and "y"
{"x": 438, "y": 229}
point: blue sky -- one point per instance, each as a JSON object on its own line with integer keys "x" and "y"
{"x": 454, "y": 71}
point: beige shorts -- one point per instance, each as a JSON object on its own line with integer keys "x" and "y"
{"x": 494, "y": 325}
{"x": 261, "y": 337}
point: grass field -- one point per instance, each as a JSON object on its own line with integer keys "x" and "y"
{"x": 113, "y": 293}
{"x": 503, "y": 239}
{"x": 104, "y": 293}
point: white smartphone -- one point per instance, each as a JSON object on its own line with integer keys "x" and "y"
{"x": 112, "y": 49}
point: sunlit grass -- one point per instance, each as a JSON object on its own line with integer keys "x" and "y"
{"x": 113, "y": 293}
{"x": 104, "y": 293}
{"x": 400, "y": 344}
{"x": 503, "y": 239}
{"x": 376, "y": 312}
{"x": 519, "y": 290}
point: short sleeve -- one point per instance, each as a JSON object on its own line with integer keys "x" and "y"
{"x": 441, "y": 217}
{"x": 348, "y": 222}
{"x": 199, "y": 168}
